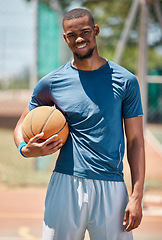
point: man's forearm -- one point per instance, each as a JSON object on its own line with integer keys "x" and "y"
{"x": 136, "y": 159}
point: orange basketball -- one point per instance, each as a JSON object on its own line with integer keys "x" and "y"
{"x": 45, "y": 119}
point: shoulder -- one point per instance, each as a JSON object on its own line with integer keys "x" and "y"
{"x": 55, "y": 73}
{"x": 123, "y": 76}
{"x": 44, "y": 84}
{"x": 121, "y": 72}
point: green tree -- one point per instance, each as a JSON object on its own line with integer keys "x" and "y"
{"x": 110, "y": 15}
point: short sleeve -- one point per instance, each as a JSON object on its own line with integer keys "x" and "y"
{"x": 41, "y": 95}
{"x": 132, "y": 105}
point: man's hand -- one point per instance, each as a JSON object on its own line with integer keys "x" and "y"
{"x": 133, "y": 214}
{"x": 34, "y": 148}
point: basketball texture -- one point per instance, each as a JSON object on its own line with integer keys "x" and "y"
{"x": 45, "y": 119}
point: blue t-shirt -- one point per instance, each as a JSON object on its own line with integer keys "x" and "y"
{"x": 94, "y": 104}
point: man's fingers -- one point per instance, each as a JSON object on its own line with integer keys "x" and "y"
{"x": 52, "y": 145}
{"x": 55, "y": 144}
{"x": 130, "y": 225}
{"x": 38, "y": 148}
{"x": 51, "y": 139}
{"x": 47, "y": 141}
{"x": 37, "y": 137}
{"x": 55, "y": 149}
{"x": 126, "y": 218}
{"x": 133, "y": 223}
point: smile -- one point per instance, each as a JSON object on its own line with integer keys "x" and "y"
{"x": 81, "y": 46}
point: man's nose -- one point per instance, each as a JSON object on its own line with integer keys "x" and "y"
{"x": 79, "y": 39}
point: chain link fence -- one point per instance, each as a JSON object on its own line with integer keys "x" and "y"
{"x": 30, "y": 42}
{"x": 16, "y": 43}
{"x": 155, "y": 99}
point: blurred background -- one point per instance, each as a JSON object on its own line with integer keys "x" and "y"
{"x": 31, "y": 45}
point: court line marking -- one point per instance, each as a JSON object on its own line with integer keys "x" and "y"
{"x": 21, "y": 215}
{"x": 153, "y": 211}
{"x": 149, "y": 211}
{"x": 148, "y": 218}
{"x": 25, "y": 233}
{"x": 11, "y": 238}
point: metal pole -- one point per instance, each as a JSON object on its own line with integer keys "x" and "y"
{"x": 142, "y": 54}
{"x": 158, "y": 12}
{"x": 125, "y": 33}
{"x": 34, "y": 76}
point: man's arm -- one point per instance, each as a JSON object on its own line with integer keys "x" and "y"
{"x": 136, "y": 160}
{"x": 34, "y": 148}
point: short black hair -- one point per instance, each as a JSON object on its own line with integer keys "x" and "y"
{"x": 78, "y": 13}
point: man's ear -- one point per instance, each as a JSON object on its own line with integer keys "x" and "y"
{"x": 64, "y": 36}
{"x": 96, "y": 30}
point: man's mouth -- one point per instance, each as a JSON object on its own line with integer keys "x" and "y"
{"x": 81, "y": 46}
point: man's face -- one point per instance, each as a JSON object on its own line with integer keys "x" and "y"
{"x": 80, "y": 36}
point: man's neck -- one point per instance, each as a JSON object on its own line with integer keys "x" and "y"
{"x": 89, "y": 64}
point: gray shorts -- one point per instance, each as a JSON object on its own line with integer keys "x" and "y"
{"x": 75, "y": 204}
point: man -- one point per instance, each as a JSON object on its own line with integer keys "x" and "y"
{"x": 97, "y": 97}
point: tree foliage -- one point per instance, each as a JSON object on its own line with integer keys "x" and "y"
{"x": 110, "y": 15}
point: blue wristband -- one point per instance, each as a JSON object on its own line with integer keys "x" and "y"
{"x": 21, "y": 145}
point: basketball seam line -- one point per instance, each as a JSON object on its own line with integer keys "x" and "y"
{"x": 31, "y": 122}
{"x": 61, "y": 128}
{"x": 58, "y": 131}
{"x": 26, "y": 134}
{"x": 47, "y": 120}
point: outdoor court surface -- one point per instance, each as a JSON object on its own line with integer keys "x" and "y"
{"x": 21, "y": 215}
